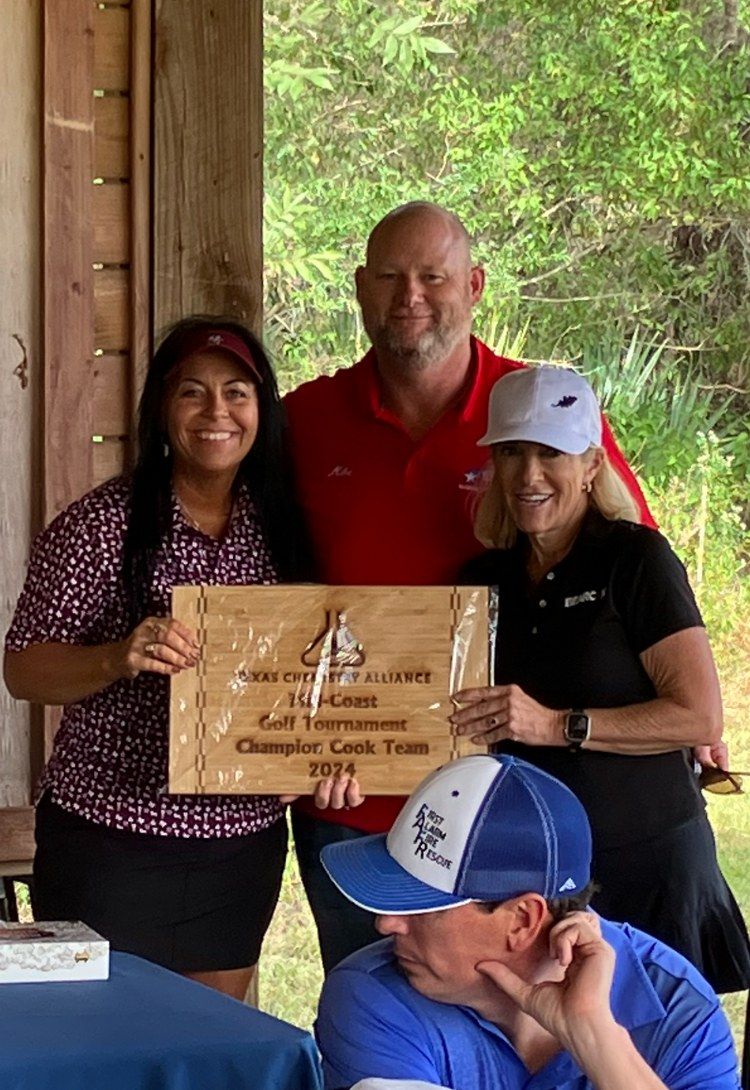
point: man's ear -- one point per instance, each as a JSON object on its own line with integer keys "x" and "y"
{"x": 527, "y": 915}
{"x": 476, "y": 282}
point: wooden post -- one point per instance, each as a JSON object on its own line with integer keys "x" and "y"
{"x": 208, "y": 167}
{"x": 68, "y": 247}
{"x": 20, "y": 352}
{"x": 208, "y": 133}
{"x": 141, "y": 324}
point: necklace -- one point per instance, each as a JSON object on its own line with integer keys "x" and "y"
{"x": 193, "y": 521}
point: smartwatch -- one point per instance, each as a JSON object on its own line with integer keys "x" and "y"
{"x": 577, "y": 729}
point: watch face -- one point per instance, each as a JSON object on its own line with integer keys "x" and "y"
{"x": 578, "y": 727}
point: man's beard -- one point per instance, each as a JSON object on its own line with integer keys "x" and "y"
{"x": 431, "y": 347}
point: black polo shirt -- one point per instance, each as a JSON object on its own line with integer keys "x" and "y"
{"x": 574, "y": 640}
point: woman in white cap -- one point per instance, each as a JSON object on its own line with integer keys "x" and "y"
{"x": 604, "y": 675}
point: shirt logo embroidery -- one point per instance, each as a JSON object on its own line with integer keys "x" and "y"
{"x": 340, "y": 471}
{"x": 476, "y": 480}
{"x": 585, "y": 596}
{"x": 567, "y": 885}
{"x": 565, "y": 402}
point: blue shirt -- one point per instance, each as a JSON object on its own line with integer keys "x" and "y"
{"x": 371, "y": 1022}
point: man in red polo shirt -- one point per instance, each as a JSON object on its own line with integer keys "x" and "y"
{"x": 388, "y": 470}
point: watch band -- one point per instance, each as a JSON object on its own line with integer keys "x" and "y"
{"x": 577, "y": 729}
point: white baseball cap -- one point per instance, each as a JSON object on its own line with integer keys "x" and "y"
{"x": 554, "y": 406}
{"x": 481, "y": 828}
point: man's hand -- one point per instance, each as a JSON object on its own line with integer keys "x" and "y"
{"x": 576, "y": 1009}
{"x": 579, "y": 1001}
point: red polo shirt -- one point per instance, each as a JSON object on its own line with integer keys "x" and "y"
{"x": 385, "y": 509}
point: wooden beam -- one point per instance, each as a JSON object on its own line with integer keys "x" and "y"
{"x": 68, "y": 278}
{"x": 112, "y": 223}
{"x": 111, "y": 312}
{"x": 20, "y": 349}
{"x": 208, "y": 135}
{"x": 111, "y": 135}
{"x": 17, "y": 833}
{"x": 141, "y": 299}
{"x": 111, "y": 49}
{"x": 111, "y": 409}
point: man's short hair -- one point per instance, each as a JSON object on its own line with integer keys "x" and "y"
{"x": 414, "y": 208}
{"x": 558, "y": 906}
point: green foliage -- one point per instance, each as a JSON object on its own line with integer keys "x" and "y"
{"x": 599, "y": 155}
{"x": 691, "y": 450}
{"x": 700, "y": 511}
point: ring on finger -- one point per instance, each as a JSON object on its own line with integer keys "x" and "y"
{"x": 157, "y": 629}
{"x": 150, "y": 648}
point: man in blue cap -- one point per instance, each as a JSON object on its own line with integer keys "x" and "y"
{"x": 492, "y": 975}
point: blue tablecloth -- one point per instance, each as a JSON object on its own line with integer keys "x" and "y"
{"x": 145, "y": 1029}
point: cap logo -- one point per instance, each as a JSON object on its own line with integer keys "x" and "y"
{"x": 214, "y": 338}
{"x": 429, "y": 835}
{"x": 565, "y": 402}
{"x": 567, "y": 886}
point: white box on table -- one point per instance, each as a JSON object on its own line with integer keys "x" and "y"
{"x": 40, "y": 952}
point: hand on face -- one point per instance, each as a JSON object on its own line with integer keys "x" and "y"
{"x": 498, "y": 713}
{"x": 570, "y": 1007}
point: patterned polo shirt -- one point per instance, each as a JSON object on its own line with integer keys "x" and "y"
{"x": 110, "y": 757}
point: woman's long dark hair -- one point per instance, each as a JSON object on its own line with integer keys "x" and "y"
{"x": 266, "y": 469}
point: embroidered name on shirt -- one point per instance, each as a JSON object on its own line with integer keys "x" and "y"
{"x": 340, "y": 471}
{"x": 584, "y": 596}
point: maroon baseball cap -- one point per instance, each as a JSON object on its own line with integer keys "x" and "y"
{"x": 221, "y": 340}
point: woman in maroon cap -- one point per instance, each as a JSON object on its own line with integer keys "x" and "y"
{"x": 189, "y": 882}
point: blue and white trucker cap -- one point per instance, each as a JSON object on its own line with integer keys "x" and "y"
{"x": 482, "y": 828}
{"x": 554, "y": 406}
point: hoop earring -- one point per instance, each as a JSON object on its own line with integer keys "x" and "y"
{"x": 165, "y": 448}
{"x": 586, "y": 487}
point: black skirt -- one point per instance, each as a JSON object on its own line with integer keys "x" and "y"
{"x": 671, "y": 887}
{"x": 189, "y": 904}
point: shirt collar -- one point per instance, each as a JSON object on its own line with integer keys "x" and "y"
{"x": 371, "y": 394}
{"x": 635, "y": 1001}
{"x": 243, "y": 510}
{"x": 594, "y": 530}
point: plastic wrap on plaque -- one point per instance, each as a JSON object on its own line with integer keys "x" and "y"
{"x": 298, "y": 683}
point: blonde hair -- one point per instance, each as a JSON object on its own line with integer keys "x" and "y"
{"x": 494, "y": 526}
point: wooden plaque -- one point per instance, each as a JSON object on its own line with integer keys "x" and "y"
{"x": 296, "y": 683}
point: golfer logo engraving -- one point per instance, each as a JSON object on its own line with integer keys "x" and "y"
{"x": 334, "y": 645}
{"x": 565, "y": 402}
